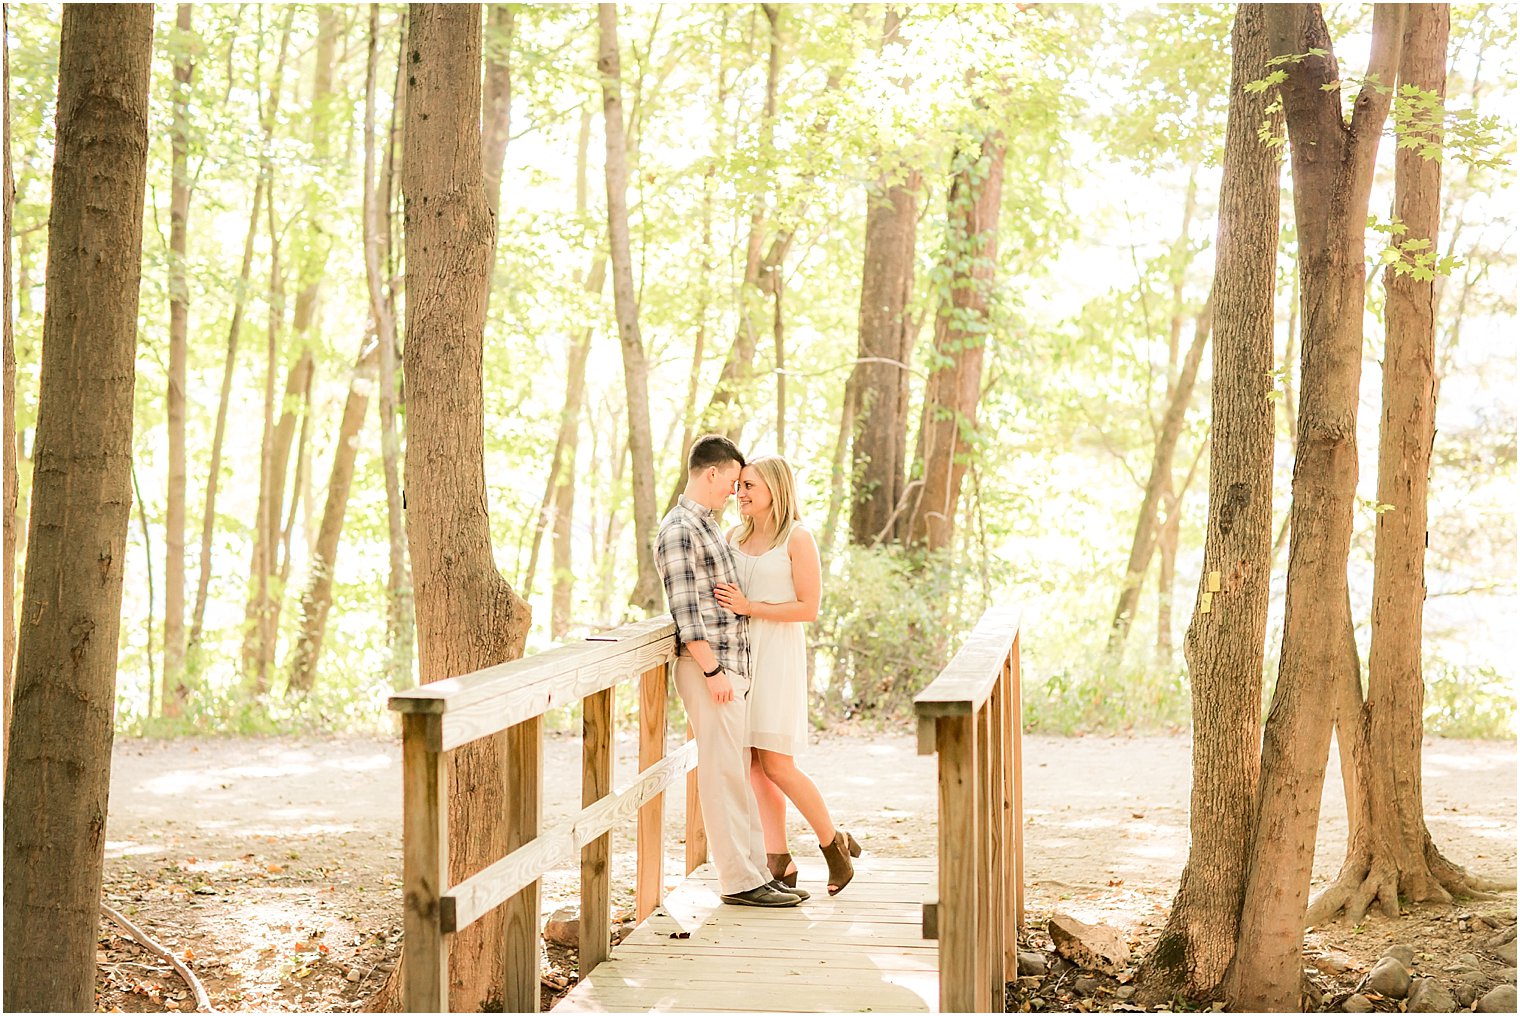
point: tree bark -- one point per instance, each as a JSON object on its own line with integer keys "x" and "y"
{"x": 880, "y": 377}
{"x": 1332, "y": 179}
{"x": 58, "y": 780}
{"x": 317, "y": 599}
{"x": 1225, "y": 643}
{"x": 12, "y": 485}
{"x": 960, "y": 332}
{"x": 647, "y": 595}
{"x": 468, "y": 616}
{"x": 496, "y": 109}
{"x": 176, "y": 690}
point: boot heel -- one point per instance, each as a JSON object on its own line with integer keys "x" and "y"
{"x": 854, "y": 845}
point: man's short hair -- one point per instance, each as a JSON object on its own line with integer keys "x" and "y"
{"x": 712, "y": 450}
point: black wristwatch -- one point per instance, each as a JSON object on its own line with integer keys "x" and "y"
{"x": 713, "y": 672}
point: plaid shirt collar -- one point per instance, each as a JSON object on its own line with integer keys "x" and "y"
{"x": 696, "y": 507}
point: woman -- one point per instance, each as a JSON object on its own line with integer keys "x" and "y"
{"x": 779, "y": 588}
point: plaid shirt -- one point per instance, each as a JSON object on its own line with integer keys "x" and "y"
{"x": 692, "y": 558}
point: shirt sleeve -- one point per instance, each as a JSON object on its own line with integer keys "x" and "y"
{"x": 675, "y": 559}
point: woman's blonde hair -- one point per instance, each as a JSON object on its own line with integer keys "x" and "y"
{"x": 783, "y": 511}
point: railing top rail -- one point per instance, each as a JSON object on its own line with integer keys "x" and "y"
{"x": 560, "y": 663}
{"x": 968, "y": 678}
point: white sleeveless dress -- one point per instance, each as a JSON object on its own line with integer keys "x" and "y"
{"x": 778, "y": 686}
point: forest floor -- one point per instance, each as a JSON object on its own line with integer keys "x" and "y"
{"x": 272, "y": 865}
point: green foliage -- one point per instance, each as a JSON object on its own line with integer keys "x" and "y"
{"x": 1475, "y": 702}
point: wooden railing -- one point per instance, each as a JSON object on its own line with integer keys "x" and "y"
{"x": 971, "y": 717}
{"x": 513, "y": 697}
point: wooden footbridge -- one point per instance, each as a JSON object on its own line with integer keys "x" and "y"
{"x": 908, "y": 935}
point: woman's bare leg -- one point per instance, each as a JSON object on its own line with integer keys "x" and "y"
{"x": 781, "y": 771}
{"x": 772, "y": 806}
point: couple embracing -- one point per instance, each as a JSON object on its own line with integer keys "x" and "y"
{"x": 739, "y": 600}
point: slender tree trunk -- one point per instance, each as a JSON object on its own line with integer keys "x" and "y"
{"x": 496, "y": 108}
{"x": 317, "y": 599}
{"x": 147, "y": 540}
{"x": 58, "y": 780}
{"x": 400, "y": 622}
{"x": 1147, "y": 526}
{"x": 468, "y": 616}
{"x": 300, "y": 489}
{"x": 880, "y": 376}
{"x": 1226, "y": 639}
{"x": 1332, "y": 179}
{"x": 847, "y": 412}
{"x": 647, "y": 595}
{"x": 176, "y": 690}
{"x": 960, "y": 331}
{"x": 12, "y": 484}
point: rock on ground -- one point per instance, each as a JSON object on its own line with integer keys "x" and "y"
{"x": 1500, "y": 999}
{"x": 1031, "y": 963}
{"x": 1357, "y": 1003}
{"x": 1427, "y": 995}
{"x": 1403, "y": 953}
{"x": 564, "y": 928}
{"x": 1090, "y": 946}
{"x": 1388, "y": 978}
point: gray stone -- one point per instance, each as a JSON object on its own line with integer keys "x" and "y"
{"x": 1506, "y": 952}
{"x": 564, "y": 928}
{"x": 1500, "y": 999}
{"x": 1357, "y": 1003}
{"x": 1125, "y": 992}
{"x": 1090, "y": 946}
{"x": 1498, "y": 939}
{"x": 1427, "y": 995}
{"x": 1507, "y": 974}
{"x": 1466, "y": 961}
{"x": 1403, "y": 953}
{"x": 1388, "y": 978}
{"x": 1471, "y": 977}
{"x": 1031, "y": 963}
{"x": 1466, "y": 995}
{"x": 1085, "y": 986}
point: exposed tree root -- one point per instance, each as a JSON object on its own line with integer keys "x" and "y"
{"x": 202, "y": 1000}
{"x": 1364, "y": 881}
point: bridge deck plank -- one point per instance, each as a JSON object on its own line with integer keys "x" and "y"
{"x": 863, "y": 949}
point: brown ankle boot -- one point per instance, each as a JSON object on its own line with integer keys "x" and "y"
{"x": 838, "y": 855}
{"x": 778, "y": 863}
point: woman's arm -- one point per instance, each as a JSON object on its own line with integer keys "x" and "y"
{"x": 807, "y": 578}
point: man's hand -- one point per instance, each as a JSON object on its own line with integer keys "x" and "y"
{"x": 720, "y": 688}
{"x": 731, "y": 597}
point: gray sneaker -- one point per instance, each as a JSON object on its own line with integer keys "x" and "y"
{"x": 763, "y": 896}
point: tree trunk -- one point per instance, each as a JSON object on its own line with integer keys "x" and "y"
{"x": 647, "y": 595}
{"x": 1226, "y": 638}
{"x": 496, "y": 110}
{"x": 176, "y": 691}
{"x": 960, "y": 331}
{"x": 317, "y": 598}
{"x": 880, "y": 376}
{"x": 468, "y": 616}
{"x": 12, "y": 486}
{"x": 1395, "y": 857}
{"x": 400, "y": 621}
{"x": 1332, "y": 178}
{"x": 58, "y": 782}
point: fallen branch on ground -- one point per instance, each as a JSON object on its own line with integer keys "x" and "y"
{"x": 202, "y": 1000}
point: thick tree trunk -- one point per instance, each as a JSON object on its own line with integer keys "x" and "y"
{"x": 317, "y": 599}
{"x": 1332, "y": 178}
{"x": 12, "y": 486}
{"x": 175, "y": 689}
{"x": 58, "y": 780}
{"x": 1225, "y": 641}
{"x": 647, "y": 595}
{"x": 468, "y": 616}
{"x": 400, "y": 620}
{"x": 960, "y": 331}
{"x": 880, "y": 377}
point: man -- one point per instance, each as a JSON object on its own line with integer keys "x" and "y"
{"x": 713, "y": 672}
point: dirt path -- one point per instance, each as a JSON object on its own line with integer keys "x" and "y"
{"x": 275, "y": 862}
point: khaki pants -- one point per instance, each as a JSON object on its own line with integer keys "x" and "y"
{"x": 729, "y": 810}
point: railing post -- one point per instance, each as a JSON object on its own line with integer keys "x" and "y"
{"x": 1013, "y": 889}
{"x": 696, "y": 832}
{"x": 1016, "y": 701}
{"x": 650, "y": 864}
{"x": 955, "y": 737}
{"x": 424, "y": 868}
{"x": 995, "y": 843}
{"x": 525, "y": 778}
{"x": 596, "y": 783}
